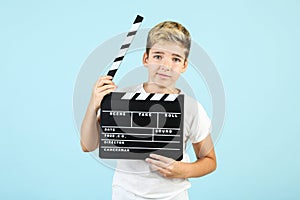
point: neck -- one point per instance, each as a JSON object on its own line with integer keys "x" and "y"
{"x": 154, "y": 88}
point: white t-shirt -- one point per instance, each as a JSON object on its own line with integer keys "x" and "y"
{"x": 136, "y": 176}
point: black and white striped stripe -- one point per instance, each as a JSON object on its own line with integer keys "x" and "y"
{"x": 125, "y": 46}
{"x": 149, "y": 96}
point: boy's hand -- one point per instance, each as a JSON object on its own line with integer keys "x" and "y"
{"x": 102, "y": 87}
{"x": 167, "y": 167}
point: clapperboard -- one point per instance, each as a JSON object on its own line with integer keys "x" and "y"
{"x": 133, "y": 125}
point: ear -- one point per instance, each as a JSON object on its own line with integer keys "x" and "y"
{"x": 145, "y": 59}
{"x": 185, "y": 65}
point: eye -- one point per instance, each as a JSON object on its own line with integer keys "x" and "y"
{"x": 176, "y": 60}
{"x": 157, "y": 57}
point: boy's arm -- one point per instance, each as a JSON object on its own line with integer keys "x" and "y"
{"x": 206, "y": 159}
{"x": 89, "y": 128}
{"x": 205, "y": 163}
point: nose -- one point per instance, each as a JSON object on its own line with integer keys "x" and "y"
{"x": 165, "y": 65}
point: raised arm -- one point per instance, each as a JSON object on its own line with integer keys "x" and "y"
{"x": 89, "y": 131}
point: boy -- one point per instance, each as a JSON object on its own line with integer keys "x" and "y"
{"x": 158, "y": 177}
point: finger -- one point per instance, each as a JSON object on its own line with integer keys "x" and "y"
{"x": 104, "y": 88}
{"x": 108, "y": 77}
{"x": 162, "y": 171}
{"x": 99, "y": 96}
{"x": 104, "y": 77}
{"x": 109, "y": 91}
{"x": 101, "y": 92}
{"x": 104, "y": 93}
{"x": 154, "y": 167}
{"x": 104, "y": 82}
{"x": 165, "y": 172}
{"x": 101, "y": 78}
{"x": 162, "y": 158}
{"x": 157, "y": 163}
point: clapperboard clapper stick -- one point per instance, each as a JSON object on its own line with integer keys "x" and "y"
{"x": 125, "y": 46}
{"x": 133, "y": 125}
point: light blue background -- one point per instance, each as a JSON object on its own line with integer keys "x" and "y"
{"x": 254, "y": 45}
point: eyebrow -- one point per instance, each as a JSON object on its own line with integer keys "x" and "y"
{"x": 173, "y": 54}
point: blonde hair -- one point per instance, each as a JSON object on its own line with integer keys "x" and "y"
{"x": 169, "y": 31}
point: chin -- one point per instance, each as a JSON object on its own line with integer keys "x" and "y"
{"x": 163, "y": 84}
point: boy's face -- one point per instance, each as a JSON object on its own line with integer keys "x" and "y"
{"x": 165, "y": 62}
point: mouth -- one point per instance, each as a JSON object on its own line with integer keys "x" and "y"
{"x": 163, "y": 75}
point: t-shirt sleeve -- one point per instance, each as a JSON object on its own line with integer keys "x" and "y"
{"x": 200, "y": 125}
